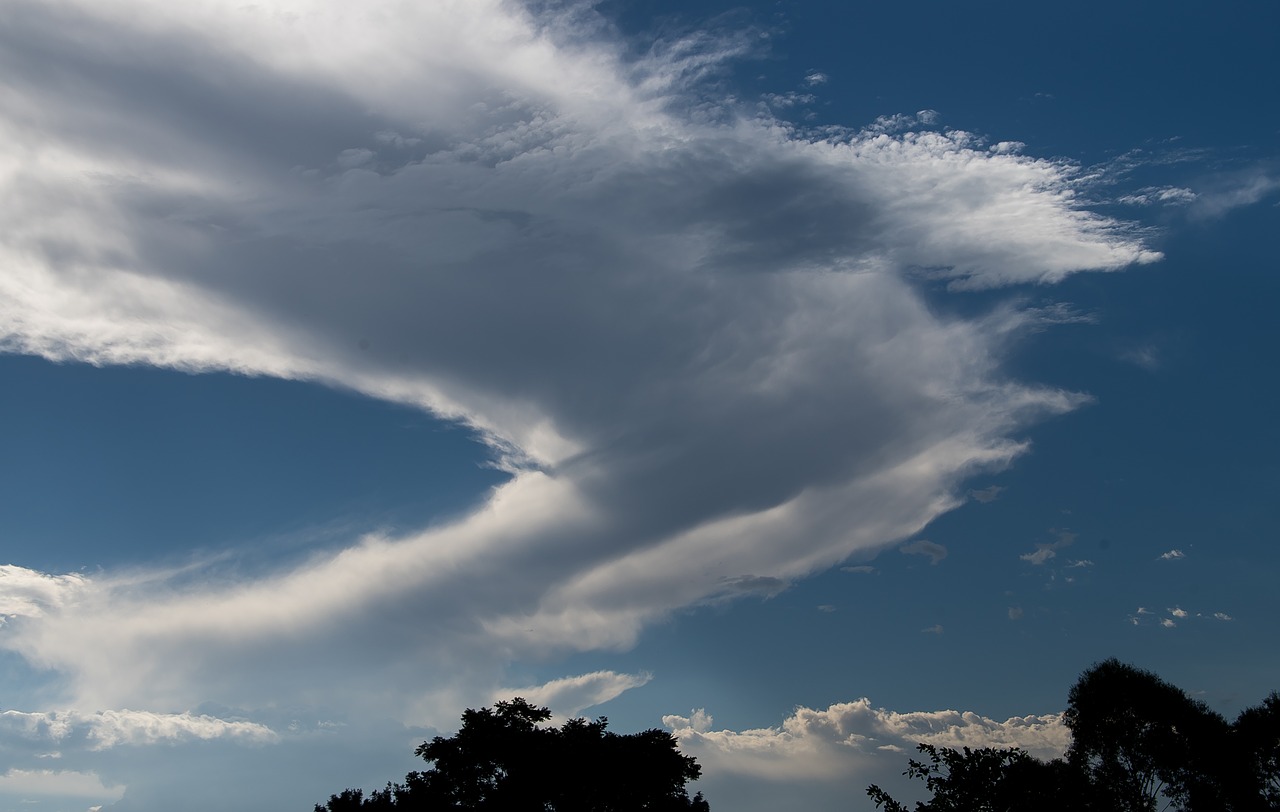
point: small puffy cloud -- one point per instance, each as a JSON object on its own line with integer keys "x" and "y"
{"x": 1083, "y": 563}
{"x": 826, "y": 607}
{"x": 1046, "y": 551}
{"x": 1222, "y": 616}
{"x": 987, "y": 494}
{"x": 1041, "y": 554}
{"x": 1015, "y": 612}
{"x": 814, "y": 78}
{"x": 1142, "y": 610}
{"x": 1172, "y": 555}
{"x": 1167, "y": 623}
{"x": 935, "y": 552}
{"x": 934, "y": 629}
{"x": 569, "y": 695}
{"x": 1178, "y": 612}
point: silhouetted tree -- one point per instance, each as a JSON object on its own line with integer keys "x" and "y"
{"x": 1138, "y": 744}
{"x": 989, "y": 780}
{"x": 1256, "y": 749}
{"x": 1143, "y": 741}
{"x": 502, "y": 758}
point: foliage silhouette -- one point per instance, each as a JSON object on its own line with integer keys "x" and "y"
{"x": 1138, "y": 744}
{"x": 503, "y": 758}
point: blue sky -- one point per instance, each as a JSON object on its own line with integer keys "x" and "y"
{"x": 807, "y": 379}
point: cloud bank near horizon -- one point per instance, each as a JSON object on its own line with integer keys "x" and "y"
{"x": 693, "y": 333}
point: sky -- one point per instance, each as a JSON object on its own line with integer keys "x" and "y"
{"x": 807, "y": 379}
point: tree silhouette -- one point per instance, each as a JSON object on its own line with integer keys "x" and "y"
{"x": 1144, "y": 742}
{"x": 1256, "y": 749}
{"x": 1138, "y": 744}
{"x": 503, "y": 758}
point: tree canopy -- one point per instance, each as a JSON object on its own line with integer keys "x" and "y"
{"x": 506, "y": 758}
{"x": 1138, "y": 744}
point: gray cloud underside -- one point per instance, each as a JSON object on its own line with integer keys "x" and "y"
{"x": 691, "y": 333}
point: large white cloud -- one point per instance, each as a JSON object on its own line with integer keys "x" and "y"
{"x": 694, "y": 335}
{"x": 836, "y": 752}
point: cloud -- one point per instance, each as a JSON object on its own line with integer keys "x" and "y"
{"x": 1234, "y": 190}
{"x": 1048, "y": 550}
{"x": 842, "y": 748}
{"x": 1159, "y": 195}
{"x": 936, "y": 552}
{"x": 1015, "y": 612}
{"x": 1172, "y": 555}
{"x": 860, "y": 569}
{"x": 102, "y": 730}
{"x": 1222, "y": 616}
{"x": 1178, "y": 612}
{"x": 988, "y": 494}
{"x": 1167, "y": 623}
{"x": 693, "y": 335}
{"x": 934, "y": 629}
{"x": 569, "y": 695}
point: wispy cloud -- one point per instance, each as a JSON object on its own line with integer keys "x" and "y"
{"x": 987, "y": 494}
{"x": 569, "y": 695}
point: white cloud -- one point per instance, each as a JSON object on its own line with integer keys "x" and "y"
{"x": 1160, "y": 195}
{"x": 569, "y": 695}
{"x": 1178, "y": 612}
{"x": 842, "y": 748}
{"x": 861, "y": 569}
{"x": 936, "y": 552}
{"x": 1167, "y": 623}
{"x": 1039, "y": 556}
{"x": 934, "y": 629}
{"x": 1048, "y": 550}
{"x": 1172, "y": 555}
{"x": 106, "y": 729}
{"x": 1222, "y": 616}
{"x": 692, "y": 334}
{"x": 1015, "y": 612}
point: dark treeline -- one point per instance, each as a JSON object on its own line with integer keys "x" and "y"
{"x": 1138, "y": 744}
{"x": 502, "y": 760}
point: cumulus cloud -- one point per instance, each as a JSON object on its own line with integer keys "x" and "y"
{"x": 936, "y": 552}
{"x": 692, "y": 334}
{"x": 844, "y": 746}
{"x": 1172, "y": 555}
